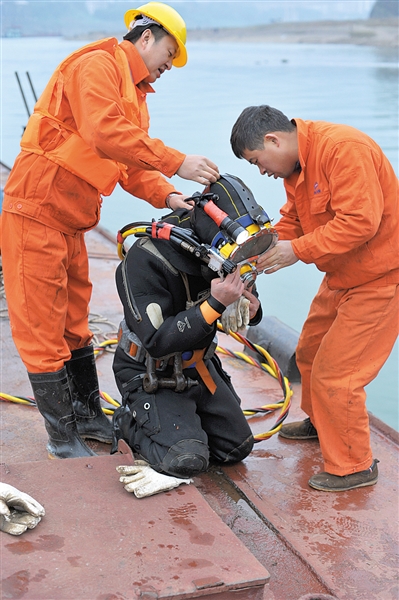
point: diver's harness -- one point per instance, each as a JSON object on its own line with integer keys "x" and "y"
{"x": 151, "y": 382}
{"x": 132, "y": 346}
{"x": 233, "y": 233}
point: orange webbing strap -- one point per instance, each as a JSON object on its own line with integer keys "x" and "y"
{"x": 198, "y": 359}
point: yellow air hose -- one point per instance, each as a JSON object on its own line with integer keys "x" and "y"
{"x": 268, "y": 365}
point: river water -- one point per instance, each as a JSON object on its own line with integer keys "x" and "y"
{"x": 194, "y": 109}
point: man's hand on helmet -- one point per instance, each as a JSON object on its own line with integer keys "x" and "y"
{"x": 280, "y": 256}
{"x": 199, "y": 169}
{"x": 176, "y": 200}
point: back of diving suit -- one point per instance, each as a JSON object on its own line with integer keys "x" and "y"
{"x": 176, "y": 432}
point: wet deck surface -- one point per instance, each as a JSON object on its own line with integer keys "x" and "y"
{"x": 343, "y": 544}
{"x": 96, "y": 541}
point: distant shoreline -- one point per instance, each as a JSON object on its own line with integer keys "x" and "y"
{"x": 370, "y": 32}
{"x": 364, "y": 32}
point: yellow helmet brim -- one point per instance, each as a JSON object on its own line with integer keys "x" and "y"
{"x": 181, "y": 57}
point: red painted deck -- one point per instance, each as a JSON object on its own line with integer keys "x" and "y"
{"x": 97, "y": 541}
{"x": 310, "y": 542}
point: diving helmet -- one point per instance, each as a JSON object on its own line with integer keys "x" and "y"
{"x": 227, "y": 229}
{"x": 233, "y": 224}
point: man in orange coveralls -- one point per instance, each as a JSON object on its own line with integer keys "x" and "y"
{"x": 88, "y": 132}
{"x": 342, "y": 215}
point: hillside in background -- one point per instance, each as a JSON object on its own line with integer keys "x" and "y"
{"x": 382, "y": 33}
{"x": 383, "y": 9}
{"x": 105, "y": 17}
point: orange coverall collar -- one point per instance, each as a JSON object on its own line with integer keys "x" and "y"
{"x": 303, "y": 128}
{"x": 137, "y": 66}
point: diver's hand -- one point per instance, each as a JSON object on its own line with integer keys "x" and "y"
{"x": 280, "y": 256}
{"x": 236, "y": 315}
{"x": 15, "y": 521}
{"x": 199, "y": 169}
{"x": 228, "y": 290}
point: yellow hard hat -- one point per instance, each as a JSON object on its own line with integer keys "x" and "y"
{"x": 170, "y": 20}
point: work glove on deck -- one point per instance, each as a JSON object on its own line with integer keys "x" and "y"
{"x": 16, "y": 521}
{"x": 143, "y": 481}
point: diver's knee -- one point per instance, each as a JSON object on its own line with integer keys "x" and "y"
{"x": 242, "y": 451}
{"x": 186, "y": 459}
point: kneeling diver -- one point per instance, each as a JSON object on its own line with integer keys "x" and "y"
{"x": 179, "y": 409}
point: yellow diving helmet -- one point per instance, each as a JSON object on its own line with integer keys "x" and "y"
{"x": 241, "y": 238}
{"x": 170, "y": 20}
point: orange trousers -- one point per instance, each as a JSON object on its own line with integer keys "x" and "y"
{"x": 47, "y": 286}
{"x": 346, "y": 339}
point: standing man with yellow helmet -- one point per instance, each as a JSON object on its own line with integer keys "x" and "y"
{"x": 88, "y": 132}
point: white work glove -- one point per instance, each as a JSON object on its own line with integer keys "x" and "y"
{"x": 236, "y": 315}
{"x": 15, "y": 521}
{"x": 143, "y": 481}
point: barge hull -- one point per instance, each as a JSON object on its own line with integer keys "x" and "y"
{"x": 340, "y": 544}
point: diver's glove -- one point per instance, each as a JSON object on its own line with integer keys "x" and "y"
{"x": 143, "y": 481}
{"x": 16, "y": 521}
{"x": 236, "y": 315}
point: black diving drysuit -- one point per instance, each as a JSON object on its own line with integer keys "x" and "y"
{"x": 176, "y": 432}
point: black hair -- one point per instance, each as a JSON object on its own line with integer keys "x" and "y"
{"x": 135, "y": 34}
{"x": 253, "y": 124}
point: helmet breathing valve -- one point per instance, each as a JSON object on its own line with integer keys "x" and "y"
{"x": 216, "y": 262}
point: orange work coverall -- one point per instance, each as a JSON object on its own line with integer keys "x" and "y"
{"x": 342, "y": 215}
{"x": 96, "y": 101}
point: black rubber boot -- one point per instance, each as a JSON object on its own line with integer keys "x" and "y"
{"x": 54, "y": 401}
{"x": 83, "y": 381}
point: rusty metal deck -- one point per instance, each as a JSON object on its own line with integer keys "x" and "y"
{"x": 310, "y": 542}
{"x": 99, "y": 542}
